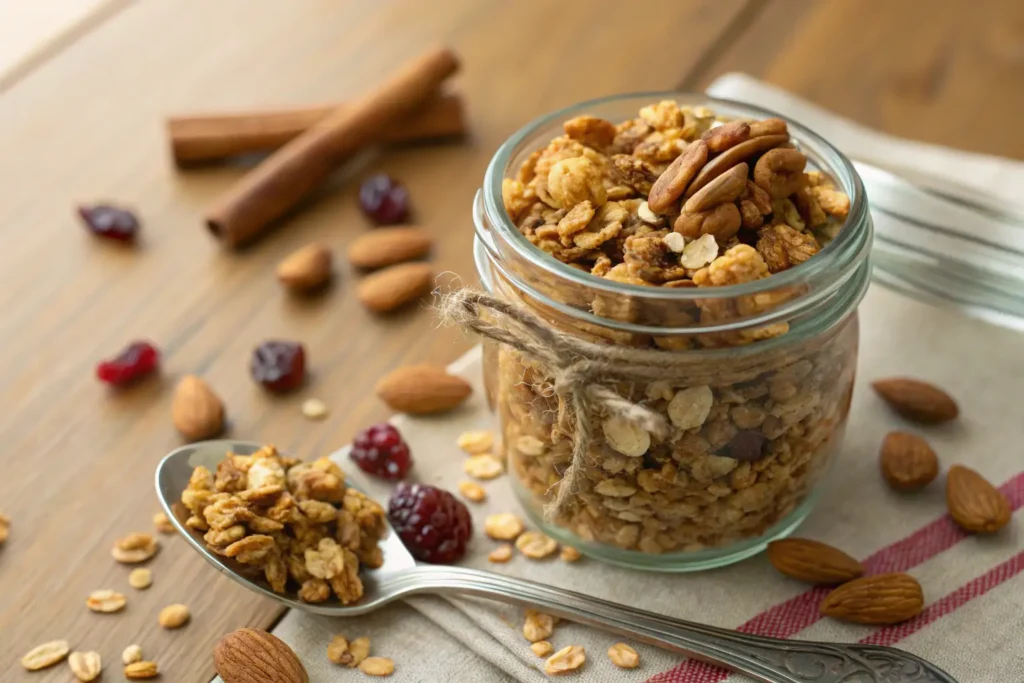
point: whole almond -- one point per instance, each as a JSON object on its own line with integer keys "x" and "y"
{"x": 813, "y": 561}
{"x": 917, "y": 400}
{"x": 251, "y": 656}
{"x": 974, "y": 503}
{"x": 387, "y": 246}
{"x": 196, "y": 411}
{"x": 307, "y": 268}
{"x": 907, "y": 461}
{"x": 881, "y": 599}
{"x": 422, "y": 389}
{"x": 395, "y": 286}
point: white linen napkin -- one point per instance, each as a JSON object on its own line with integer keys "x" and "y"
{"x": 974, "y": 587}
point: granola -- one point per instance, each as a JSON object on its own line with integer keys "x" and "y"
{"x": 678, "y": 198}
{"x": 297, "y": 524}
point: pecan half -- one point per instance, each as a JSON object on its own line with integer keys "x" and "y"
{"x": 768, "y": 127}
{"x": 727, "y": 135}
{"x": 725, "y": 188}
{"x": 732, "y": 156}
{"x": 671, "y": 184}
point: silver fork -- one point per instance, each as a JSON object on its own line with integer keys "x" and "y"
{"x": 768, "y": 660}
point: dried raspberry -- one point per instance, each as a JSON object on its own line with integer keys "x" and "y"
{"x": 379, "y": 450}
{"x": 279, "y": 365}
{"x": 137, "y": 360}
{"x": 110, "y": 222}
{"x": 384, "y": 200}
{"x": 433, "y": 524}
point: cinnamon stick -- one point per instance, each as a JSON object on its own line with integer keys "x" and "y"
{"x": 207, "y": 138}
{"x": 292, "y": 172}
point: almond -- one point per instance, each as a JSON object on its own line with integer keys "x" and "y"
{"x": 881, "y": 599}
{"x": 908, "y": 463}
{"x": 251, "y": 656}
{"x": 305, "y": 269}
{"x": 813, "y": 561}
{"x": 917, "y": 400}
{"x": 422, "y": 389}
{"x": 395, "y": 286}
{"x": 387, "y": 246}
{"x": 974, "y": 503}
{"x": 196, "y": 411}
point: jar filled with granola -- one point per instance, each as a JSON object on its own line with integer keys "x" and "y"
{"x": 670, "y": 323}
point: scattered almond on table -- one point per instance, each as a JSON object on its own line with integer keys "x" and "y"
{"x": 387, "y": 246}
{"x": 422, "y": 390}
{"x": 569, "y": 658}
{"x": 140, "y": 578}
{"x": 623, "y": 656}
{"x": 503, "y": 526}
{"x": 975, "y": 504}
{"x": 917, "y": 400}
{"x": 306, "y": 269}
{"x": 395, "y": 287}
{"x": 86, "y": 666}
{"x": 196, "y": 411}
{"x": 106, "y": 601}
{"x": 47, "y": 654}
{"x": 813, "y": 561}
{"x": 875, "y": 600}
{"x": 907, "y": 462}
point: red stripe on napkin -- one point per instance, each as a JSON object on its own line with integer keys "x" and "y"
{"x": 789, "y": 618}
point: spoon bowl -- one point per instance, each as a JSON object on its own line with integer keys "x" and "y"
{"x": 768, "y": 660}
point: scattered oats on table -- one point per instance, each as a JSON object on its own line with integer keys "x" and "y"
{"x": 501, "y": 554}
{"x": 470, "y": 490}
{"x": 541, "y": 648}
{"x": 538, "y": 626}
{"x": 377, "y": 666}
{"x": 141, "y": 670}
{"x": 134, "y": 548}
{"x": 503, "y": 526}
{"x": 140, "y": 578}
{"x": 476, "y": 443}
{"x": 131, "y": 654}
{"x": 536, "y": 545}
{"x": 163, "y": 523}
{"x": 173, "y": 616}
{"x": 623, "y": 656}
{"x": 86, "y": 666}
{"x": 47, "y": 654}
{"x": 567, "y": 659}
{"x": 569, "y": 554}
{"x": 350, "y": 654}
{"x": 106, "y": 601}
{"x": 5, "y": 527}
{"x": 484, "y": 466}
{"x": 314, "y": 409}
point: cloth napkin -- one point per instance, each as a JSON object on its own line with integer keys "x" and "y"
{"x": 974, "y": 586}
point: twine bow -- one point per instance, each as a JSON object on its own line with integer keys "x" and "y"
{"x": 577, "y": 367}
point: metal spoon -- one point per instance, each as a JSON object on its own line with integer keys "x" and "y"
{"x": 764, "y": 659}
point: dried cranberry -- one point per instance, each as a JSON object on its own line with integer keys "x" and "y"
{"x": 384, "y": 200}
{"x": 434, "y": 525}
{"x": 279, "y": 365}
{"x": 137, "y": 360}
{"x": 110, "y": 222}
{"x": 748, "y": 445}
{"x": 379, "y": 450}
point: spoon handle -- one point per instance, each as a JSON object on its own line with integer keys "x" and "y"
{"x": 768, "y": 660}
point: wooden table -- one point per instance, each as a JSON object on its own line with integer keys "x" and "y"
{"x": 83, "y": 122}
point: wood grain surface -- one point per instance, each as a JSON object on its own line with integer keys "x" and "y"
{"x": 85, "y": 125}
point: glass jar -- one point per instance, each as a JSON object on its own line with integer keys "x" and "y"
{"x": 755, "y": 404}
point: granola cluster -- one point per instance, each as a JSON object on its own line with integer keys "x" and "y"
{"x": 295, "y": 522}
{"x": 678, "y": 198}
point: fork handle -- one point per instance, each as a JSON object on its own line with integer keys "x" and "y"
{"x": 768, "y": 660}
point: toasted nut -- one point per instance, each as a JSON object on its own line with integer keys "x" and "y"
{"x": 422, "y": 390}
{"x": 196, "y": 411}
{"x": 541, "y": 648}
{"x": 590, "y": 130}
{"x": 646, "y": 215}
{"x": 626, "y": 437}
{"x": 360, "y": 649}
{"x": 700, "y": 252}
{"x": 163, "y": 523}
{"x": 394, "y": 287}
{"x": 732, "y": 156}
{"x": 722, "y": 222}
{"x": 173, "y": 616}
{"x": 917, "y": 400}
{"x": 538, "y": 626}
{"x": 569, "y": 554}
{"x": 536, "y": 545}
{"x": 721, "y": 138}
{"x": 484, "y": 466}
{"x": 135, "y": 547}
{"x": 338, "y": 652}
{"x": 47, "y": 654}
{"x": 501, "y": 554}
{"x": 907, "y": 461}
{"x": 813, "y": 561}
{"x": 377, "y": 666}
{"x": 725, "y": 188}
{"x": 106, "y": 601}
{"x": 387, "y": 246}
{"x": 140, "y": 578}
{"x": 675, "y": 242}
{"x": 305, "y": 269}
{"x": 974, "y": 503}
{"x": 671, "y": 184}
{"x": 131, "y": 654}
{"x": 5, "y": 527}
{"x": 567, "y": 659}
{"x": 503, "y": 526}
{"x": 140, "y": 670}
{"x": 476, "y": 443}
{"x": 780, "y": 171}
{"x": 314, "y": 409}
{"x": 768, "y": 127}
{"x": 881, "y": 599}
{"x": 623, "y": 656}
{"x": 473, "y": 491}
{"x": 86, "y": 666}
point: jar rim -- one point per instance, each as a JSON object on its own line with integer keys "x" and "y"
{"x": 845, "y": 251}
